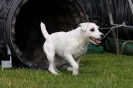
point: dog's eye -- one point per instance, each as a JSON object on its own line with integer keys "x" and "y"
{"x": 92, "y": 30}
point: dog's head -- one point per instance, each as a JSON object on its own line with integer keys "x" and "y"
{"x": 91, "y": 33}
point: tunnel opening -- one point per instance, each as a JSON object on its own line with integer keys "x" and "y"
{"x": 57, "y": 15}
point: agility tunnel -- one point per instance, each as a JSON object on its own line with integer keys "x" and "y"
{"x": 20, "y": 26}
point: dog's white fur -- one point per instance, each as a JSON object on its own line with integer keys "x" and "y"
{"x": 69, "y": 45}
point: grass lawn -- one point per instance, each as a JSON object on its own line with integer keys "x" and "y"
{"x": 98, "y": 71}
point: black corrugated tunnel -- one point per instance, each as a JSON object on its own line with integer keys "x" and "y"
{"x": 22, "y": 23}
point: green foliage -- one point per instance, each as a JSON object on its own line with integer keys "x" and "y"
{"x": 98, "y": 71}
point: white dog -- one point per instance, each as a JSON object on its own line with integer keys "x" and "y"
{"x": 69, "y": 45}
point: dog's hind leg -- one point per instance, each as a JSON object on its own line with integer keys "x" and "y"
{"x": 51, "y": 65}
{"x": 50, "y": 53}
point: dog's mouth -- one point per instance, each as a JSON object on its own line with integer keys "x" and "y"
{"x": 96, "y": 40}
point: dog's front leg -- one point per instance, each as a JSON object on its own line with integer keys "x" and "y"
{"x": 77, "y": 60}
{"x": 72, "y": 62}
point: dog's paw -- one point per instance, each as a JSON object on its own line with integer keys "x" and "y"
{"x": 75, "y": 73}
{"x": 53, "y": 72}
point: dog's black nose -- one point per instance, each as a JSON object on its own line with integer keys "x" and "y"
{"x": 102, "y": 35}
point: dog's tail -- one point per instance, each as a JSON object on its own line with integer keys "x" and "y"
{"x": 44, "y": 31}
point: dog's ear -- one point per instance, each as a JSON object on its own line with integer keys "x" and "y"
{"x": 84, "y": 26}
{"x": 96, "y": 22}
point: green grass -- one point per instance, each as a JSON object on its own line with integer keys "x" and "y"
{"x": 98, "y": 71}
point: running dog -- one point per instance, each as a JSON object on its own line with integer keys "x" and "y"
{"x": 70, "y": 46}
